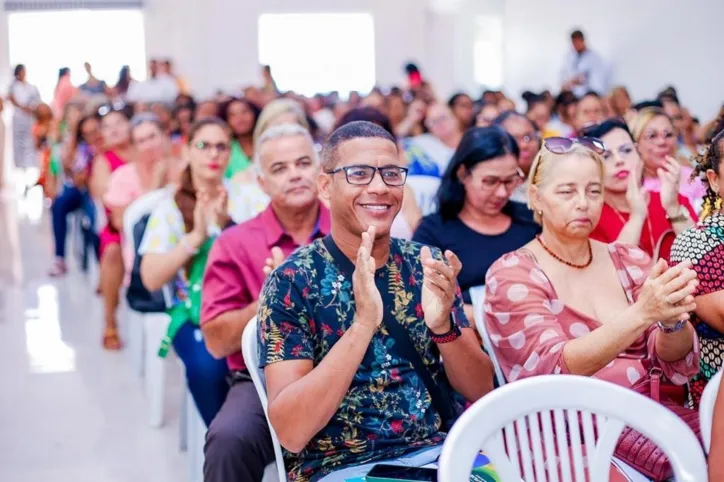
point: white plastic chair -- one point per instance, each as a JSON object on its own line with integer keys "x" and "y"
{"x": 133, "y": 214}
{"x": 477, "y": 295}
{"x": 706, "y": 409}
{"x": 195, "y": 437}
{"x": 249, "y": 349}
{"x": 146, "y": 330}
{"x": 544, "y": 406}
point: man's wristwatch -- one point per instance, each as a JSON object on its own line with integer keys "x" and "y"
{"x": 449, "y": 336}
{"x": 682, "y": 216}
{"x": 676, "y": 327}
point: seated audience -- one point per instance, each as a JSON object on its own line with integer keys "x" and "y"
{"x": 461, "y": 106}
{"x": 703, "y": 246}
{"x": 410, "y": 215}
{"x": 527, "y": 136}
{"x": 476, "y": 219}
{"x": 429, "y": 154}
{"x": 176, "y": 245}
{"x": 206, "y": 109}
{"x": 116, "y": 130}
{"x": 589, "y": 111}
{"x": 620, "y": 103}
{"x": 343, "y": 393}
{"x": 631, "y": 214}
{"x": 539, "y": 113}
{"x": 656, "y": 141}
{"x": 561, "y": 125}
{"x": 238, "y": 445}
{"x": 241, "y": 116}
{"x": 566, "y": 304}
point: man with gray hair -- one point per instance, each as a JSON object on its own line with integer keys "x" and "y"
{"x": 238, "y": 444}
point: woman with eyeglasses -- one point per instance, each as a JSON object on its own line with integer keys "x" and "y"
{"x": 475, "y": 218}
{"x": 118, "y": 150}
{"x": 631, "y": 214}
{"x": 565, "y": 303}
{"x": 655, "y": 138}
{"x": 175, "y": 246}
{"x": 527, "y": 136}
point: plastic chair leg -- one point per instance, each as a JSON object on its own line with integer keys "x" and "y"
{"x": 135, "y": 345}
{"x": 196, "y": 440}
{"x": 154, "y": 327}
{"x": 183, "y": 422}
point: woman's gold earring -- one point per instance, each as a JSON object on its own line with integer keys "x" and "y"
{"x": 540, "y": 213}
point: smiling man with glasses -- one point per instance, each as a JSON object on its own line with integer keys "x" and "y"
{"x": 352, "y": 328}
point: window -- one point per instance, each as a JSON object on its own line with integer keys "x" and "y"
{"x": 47, "y": 41}
{"x": 488, "y": 51}
{"x": 311, "y": 53}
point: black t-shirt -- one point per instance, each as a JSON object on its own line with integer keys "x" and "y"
{"x": 476, "y": 251}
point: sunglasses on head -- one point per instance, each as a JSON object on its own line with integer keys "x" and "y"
{"x": 564, "y": 145}
{"x": 106, "y": 109}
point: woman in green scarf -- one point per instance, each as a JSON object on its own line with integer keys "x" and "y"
{"x": 241, "y": 115}
{"x": 175, "y": 246}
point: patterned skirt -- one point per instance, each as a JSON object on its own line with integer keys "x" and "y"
{"x": 711, "y": 361}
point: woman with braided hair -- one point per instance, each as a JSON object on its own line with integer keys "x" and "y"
{"x": 703, "y": 245}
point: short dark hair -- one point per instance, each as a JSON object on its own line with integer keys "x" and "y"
{"x": 451, "y": 102}
{"x": 369, "y": 114}
{"x": 600, "y": 130}
{"x": 648, "y": 103}
{"x": 18, "y": 68}
{"x": 349, "y": 132}
{"x": 502, "y": 118}
{"x": 479, "y": 144}
{"x": 577, "y": 35}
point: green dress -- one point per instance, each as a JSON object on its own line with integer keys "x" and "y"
{"x": 238, "y": 161}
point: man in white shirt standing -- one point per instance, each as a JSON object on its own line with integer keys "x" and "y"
{"x": 583, "y": 70}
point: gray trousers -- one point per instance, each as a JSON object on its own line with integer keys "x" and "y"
{"x": 238, "y": 444}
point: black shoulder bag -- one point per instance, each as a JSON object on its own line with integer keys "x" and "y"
{"x": 439, "y": 395}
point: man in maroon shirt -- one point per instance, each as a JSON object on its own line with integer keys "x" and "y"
{"x": 238, "y": 444}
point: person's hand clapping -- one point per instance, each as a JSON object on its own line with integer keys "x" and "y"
{"x": 219, "y": 215}
{"x": 637, "y": 196}
{"x": 670, "y": 177}
{"x": 438, "y": 289}
{"x": 668, "y": 293}
{"x": 272, "y": 263}
{"x": 366, "y": 295}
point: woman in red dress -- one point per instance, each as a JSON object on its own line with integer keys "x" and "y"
{"x": 631, "y": 214}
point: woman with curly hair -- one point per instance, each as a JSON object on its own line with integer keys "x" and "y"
{"x": 703, "y": 245}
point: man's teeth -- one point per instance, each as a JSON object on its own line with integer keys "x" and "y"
{"x": 377, "y": 207}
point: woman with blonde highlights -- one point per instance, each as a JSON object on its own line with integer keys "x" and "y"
{"x": 567, "y": 304}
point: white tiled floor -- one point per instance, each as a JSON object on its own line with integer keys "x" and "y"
{"x": 69, "y": 411}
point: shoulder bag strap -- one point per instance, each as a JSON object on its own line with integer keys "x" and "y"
{"x": 439, "y": 396}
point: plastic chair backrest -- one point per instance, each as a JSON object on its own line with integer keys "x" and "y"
{"x": 249, "y": 350}
{"x": 534, "y": 418}
{"x": 425, "y": 189}
{"x": 139, "y": 208}
{"x": 477, "y": 295}
{"x": 706, "y": 409}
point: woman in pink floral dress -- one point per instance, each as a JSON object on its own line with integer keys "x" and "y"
{"x": 566, "y": 304}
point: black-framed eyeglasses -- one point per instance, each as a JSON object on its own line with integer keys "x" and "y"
{"x": 362, "y": 175}
{"x": 492, "y": 183}
{"x": 221, "y": 147}
{"x": 564, "y": 145}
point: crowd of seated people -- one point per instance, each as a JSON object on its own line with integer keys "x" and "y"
{"x": 354, "y": 230}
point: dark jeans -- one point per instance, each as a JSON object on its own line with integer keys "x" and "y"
{"x": 70, "y": 200}
{"x": 205, "y": 375}
{"x": 238, "y": 443}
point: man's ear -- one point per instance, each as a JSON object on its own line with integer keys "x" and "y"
{"x": 324, "y": 185}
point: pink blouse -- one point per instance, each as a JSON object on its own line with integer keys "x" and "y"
{"x": 529, "y": 325}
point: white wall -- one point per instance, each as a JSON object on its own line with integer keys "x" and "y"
{"x": 215, "y": 42}
{"x": 650, "y": 43}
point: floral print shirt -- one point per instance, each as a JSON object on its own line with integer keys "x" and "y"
{"x": 305, "y": 307}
